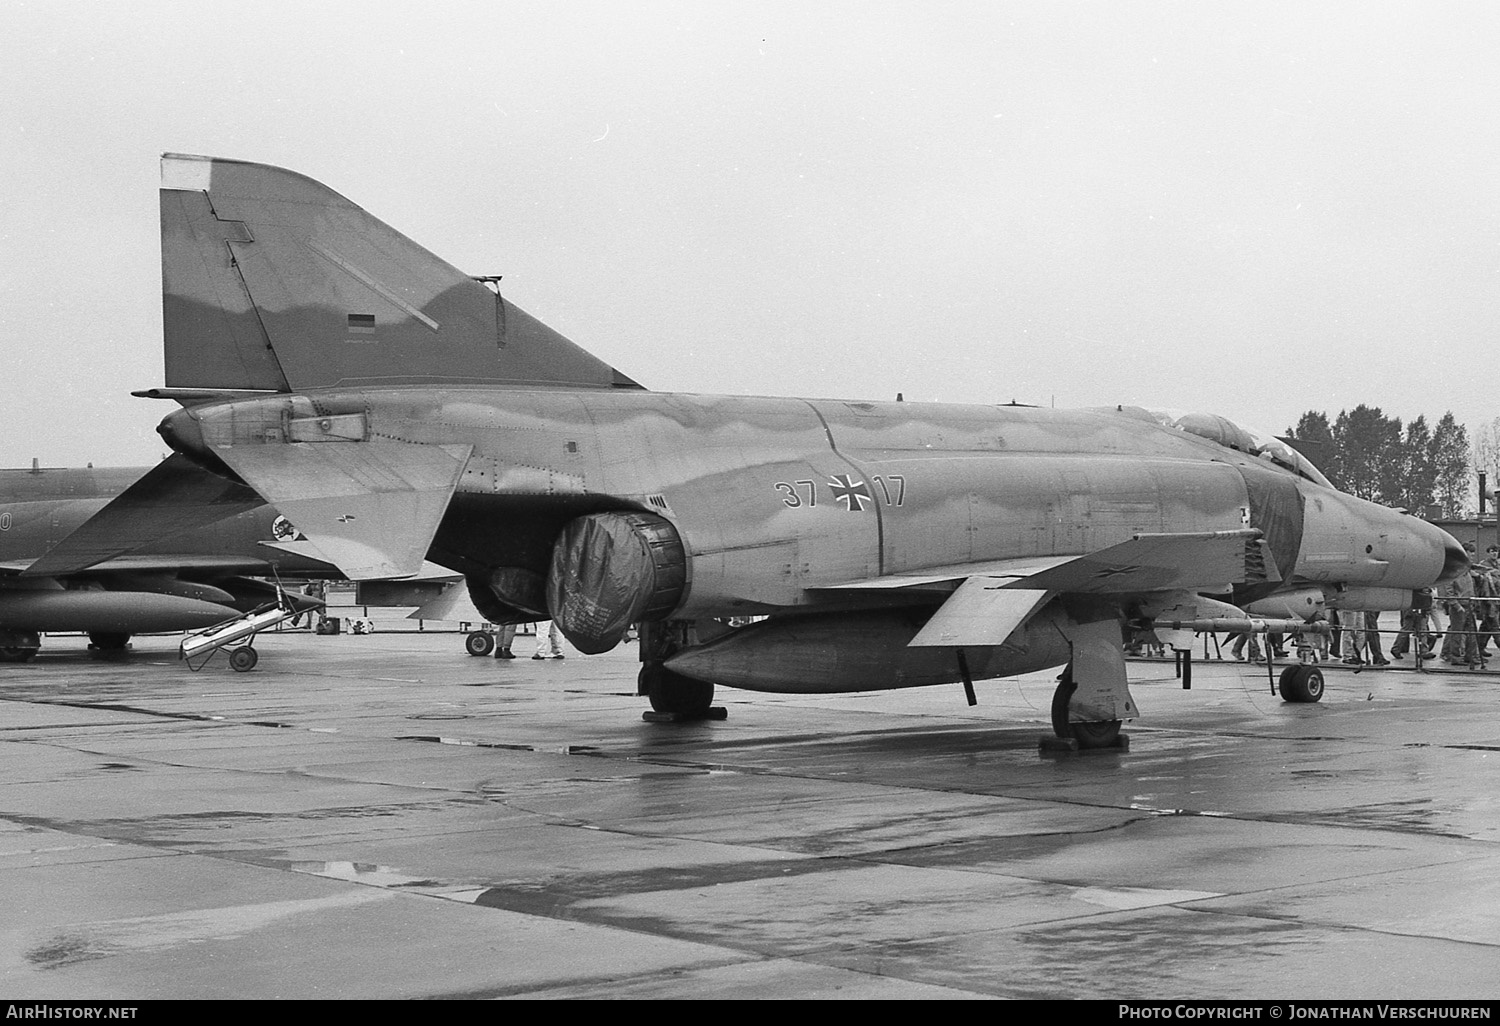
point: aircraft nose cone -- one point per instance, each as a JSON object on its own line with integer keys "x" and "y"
{"x": 1455, "y": 559}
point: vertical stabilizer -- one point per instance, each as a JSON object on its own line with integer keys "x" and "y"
{"x": 272, "y": 281}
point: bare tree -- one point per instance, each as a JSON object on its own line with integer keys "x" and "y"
{"x": 1487, "y": 452}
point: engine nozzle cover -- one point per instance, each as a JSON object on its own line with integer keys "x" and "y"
{"x": 610, "y": 570}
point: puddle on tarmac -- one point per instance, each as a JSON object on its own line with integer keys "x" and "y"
{"x": 1123, "y": 898}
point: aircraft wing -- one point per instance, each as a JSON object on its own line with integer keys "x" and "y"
{"x": 166, "y": 562}
{"x": 169, "y": 562}
{"x": 940, "y": 577}
{"x": 371, "y": 509}
{"x": 1193, "y": 561}
{"x": 997, "y": 597}
{"x": 175, "y": 495}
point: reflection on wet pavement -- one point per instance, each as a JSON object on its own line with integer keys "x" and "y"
{"x": 353, "y": 819}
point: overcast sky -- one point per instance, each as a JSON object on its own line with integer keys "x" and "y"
{"x": 1249, "y": 209}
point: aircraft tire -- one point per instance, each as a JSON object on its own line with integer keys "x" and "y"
{"x": 479, "y": 643}
{"x": 1301, "y": 684}
{"x": 109, "y": 641}
{"x": 15, "y": 654}
{"x": 243, "y": 659}
{"x": 673, "y": 693}
{"x": 1091, "y": 734}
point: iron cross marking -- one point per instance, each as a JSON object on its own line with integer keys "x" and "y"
{"x": 853, "y": 494}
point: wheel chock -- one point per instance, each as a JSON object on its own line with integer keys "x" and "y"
{"x": 713, "y": 712}
{"x": 1054, "y": 745}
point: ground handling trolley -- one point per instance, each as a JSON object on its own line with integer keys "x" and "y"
{"x": 242, "y": 658}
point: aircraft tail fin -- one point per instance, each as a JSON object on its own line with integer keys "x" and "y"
{"x": 272, "y": 281}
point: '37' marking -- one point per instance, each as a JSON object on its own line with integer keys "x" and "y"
{"x": 851, "y": 494}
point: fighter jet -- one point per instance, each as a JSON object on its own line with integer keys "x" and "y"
{"x": 170, "y": 581}
{"x": 397, "y": 409}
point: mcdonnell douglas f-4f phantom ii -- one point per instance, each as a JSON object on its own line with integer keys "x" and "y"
{"x": 170, "y": 582}
{"x": 397, "y": 409}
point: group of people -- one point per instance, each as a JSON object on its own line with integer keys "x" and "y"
{"x": 1471, "y": 604}
{"x": 548, "y": 641}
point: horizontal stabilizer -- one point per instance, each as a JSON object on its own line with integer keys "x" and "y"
{"x": 983, "y": 611}
{"x": 304, "y": 549}
{"x": 176, "y": 495}
{"x": 369, "y": 508}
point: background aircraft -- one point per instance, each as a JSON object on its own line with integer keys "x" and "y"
{"x": 406, "y": 411}
{"x": 172, "y": 581}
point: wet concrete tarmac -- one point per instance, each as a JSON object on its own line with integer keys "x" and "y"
{"x": 383, "y": 816}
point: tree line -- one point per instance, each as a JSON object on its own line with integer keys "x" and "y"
{"x": 1365, "y": 453}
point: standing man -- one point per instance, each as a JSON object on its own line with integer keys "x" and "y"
{"x": 548, "y": 641}
{"x": 1372, "y": 639}
{"x": 1461, "y": 646}
{"x": 1414, "y": 623}
{"x": 1487, "y": 599}
{"x": 505, "y": 636}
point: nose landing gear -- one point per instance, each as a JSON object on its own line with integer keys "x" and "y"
{"x": 1301, "y": 683}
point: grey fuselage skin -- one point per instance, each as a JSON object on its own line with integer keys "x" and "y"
{"x": 779, "y": 501}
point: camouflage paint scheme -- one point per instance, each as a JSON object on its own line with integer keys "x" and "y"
{"x": 779, "y": 501}
{"x": 396, "y": 409}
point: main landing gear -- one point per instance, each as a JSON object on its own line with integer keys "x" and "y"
{"x": 674, "y": 698}
{"x": 108, "y": 643}
{"x": 1080, "y": 734}
{"x": 19, "y": 646}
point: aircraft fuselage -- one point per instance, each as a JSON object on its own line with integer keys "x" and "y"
{"x": 776, "y": 498}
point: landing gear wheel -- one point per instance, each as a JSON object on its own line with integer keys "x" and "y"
{"x": 109, "y": 641}
{"x": 1301, "y": 684}
{"x": 30, "y": 641}
{"x": 243, "y": 659}
{"x": 1091, "y": 734}
{"x": 479, "y": 643}
{"x": 674, "y": 694}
